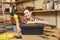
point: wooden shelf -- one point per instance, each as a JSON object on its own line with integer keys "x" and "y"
{"x": 5, "y": 12}
{"x": 43, "y": 10}
{"x": 35, "y": 11}
{"x": 21, "y": 1}
{"x": 10, "y": 12}
{"x": 7, "y": 2}
{"x": 10, "y": 2}
{"x": 58, "y": 2}
{"x": 32, "y": 11}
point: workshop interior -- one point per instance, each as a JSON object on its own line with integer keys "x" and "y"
{"x": 29, "y": 19}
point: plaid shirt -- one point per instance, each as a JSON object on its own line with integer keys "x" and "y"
{"x": 33, "y": 19}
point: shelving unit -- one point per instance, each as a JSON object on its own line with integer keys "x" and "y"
{"x": 35, "y": 11}
{"x": 21, "y": 1}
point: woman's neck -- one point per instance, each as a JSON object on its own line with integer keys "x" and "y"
{"x": 29, "y": 18}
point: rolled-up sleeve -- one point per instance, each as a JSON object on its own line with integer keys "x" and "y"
{"x": 40, "y": 21}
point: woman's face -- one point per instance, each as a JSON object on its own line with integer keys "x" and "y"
{"x": 27, "y": 13}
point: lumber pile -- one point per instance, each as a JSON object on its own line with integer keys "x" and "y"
{"x": 52, "y": 32}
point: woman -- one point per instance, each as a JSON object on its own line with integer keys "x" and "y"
{"x": 28, "y": 17}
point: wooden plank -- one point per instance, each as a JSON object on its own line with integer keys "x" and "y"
{"x": 7, "y": 2}
{"x": 58, "y": 2}
{"x": 37, "y": 37}
{"x": 23, "y": 1}
{"x": 20, "y": 1}
{"x": 10, "y": 12}
{"x": 55, "y": 32}
{"x": 52, "y": 10}
{"x": 35, "y": 11}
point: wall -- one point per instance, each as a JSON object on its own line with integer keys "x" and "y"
{"x": 49, "y": 17}
{"x": 58, "y": 20}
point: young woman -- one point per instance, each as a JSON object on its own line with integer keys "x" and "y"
{"x": 28, "y": 17}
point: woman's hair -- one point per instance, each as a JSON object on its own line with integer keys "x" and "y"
{"x": 29, "y": 8}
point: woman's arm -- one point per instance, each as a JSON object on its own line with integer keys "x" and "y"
{"x": 38, "y": 20}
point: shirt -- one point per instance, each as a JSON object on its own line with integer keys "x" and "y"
{"x": 35, "y": 19}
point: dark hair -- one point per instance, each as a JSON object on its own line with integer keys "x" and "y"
{"x": 29, "y": 8}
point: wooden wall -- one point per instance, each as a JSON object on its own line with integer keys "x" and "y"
{"x": 58, "y": 20}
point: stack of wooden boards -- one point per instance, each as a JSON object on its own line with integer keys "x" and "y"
{"x": 52, "y": 32}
